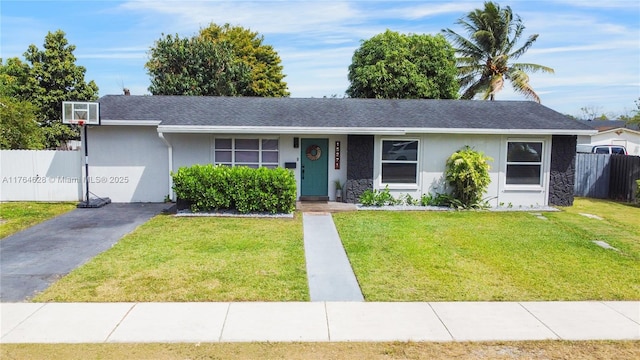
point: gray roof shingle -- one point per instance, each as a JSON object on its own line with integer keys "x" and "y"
{"x": 604, "y": 125}
{"x": 338, "y": 113}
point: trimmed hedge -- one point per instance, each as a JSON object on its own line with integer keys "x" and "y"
{"x": 247, "y": 190}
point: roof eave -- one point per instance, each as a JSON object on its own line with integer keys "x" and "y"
{"x": 623, "y": 129}
{"x": 186, "y": 129}
{"x": 130, "y": 122}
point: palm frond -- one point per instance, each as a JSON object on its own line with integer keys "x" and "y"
{"x": 516, "y": 54}
{"x": 497, "y": 83}
{"x": 520, "y": 82}
{"x": 484, "y": 56}
{"x": 526, "y": 67}
{"x": 479, "y": 86}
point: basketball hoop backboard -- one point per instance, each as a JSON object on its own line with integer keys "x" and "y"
{"x": 81, "y": 113}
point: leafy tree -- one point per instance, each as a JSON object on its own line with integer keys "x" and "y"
{"x": 49, "y": 77}
{"x": 14, "y": 74}
{"x": 398, "y": 66}
{"x": 485, "y": 57}
{"x": 195, "y": 66}
{"x": 18, "y": 126}
{"x": 591, "y": 113}
{"x": 263, "y": 60}
{"x": 634, "y": 118}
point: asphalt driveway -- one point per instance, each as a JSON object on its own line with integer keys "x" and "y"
{"x": 31, "y": 260}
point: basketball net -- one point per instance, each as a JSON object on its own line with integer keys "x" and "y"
{"x": 81, "y": 122}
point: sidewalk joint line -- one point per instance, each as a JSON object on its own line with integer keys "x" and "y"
{"x": 119, "y": 322}
{"x": 540, "y": 321}
{"x": 224, "y": 323}
{"x": 326, "y": 317}
{"x": 441, "y": 322}
{"x": 25, "y": 319}
{"x": 616, "y": 310}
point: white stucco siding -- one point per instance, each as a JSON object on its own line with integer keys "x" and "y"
{"x": 128, "y": 163}
{"x": 435, "y": 149}
{"x": 190, "y": 149}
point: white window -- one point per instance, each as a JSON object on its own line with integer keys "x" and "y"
{"x": 399, "y": 161}
{"x": 253, "y": 153}
{"x": 524, "y": 162}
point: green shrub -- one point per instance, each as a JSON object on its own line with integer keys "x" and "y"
{"x": 638, "y": 191}
{"x": 377, "y": 198}
{"x": 439, "y": 199}
{"x": 408, "y": 200}
{"x": 210, "y": 188}
{"x": 467, "y": 171}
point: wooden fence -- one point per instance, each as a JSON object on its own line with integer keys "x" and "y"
{"x": 604, "y": 176}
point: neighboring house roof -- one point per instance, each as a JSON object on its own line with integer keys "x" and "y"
{"x": 352, "y": 116}
{"x": 605, "y": 125}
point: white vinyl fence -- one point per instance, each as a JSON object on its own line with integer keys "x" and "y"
{"x": 40, "y": 175}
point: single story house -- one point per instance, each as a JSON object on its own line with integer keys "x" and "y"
{"x": 613, "y": 132}
{"x": 361, "y": 143}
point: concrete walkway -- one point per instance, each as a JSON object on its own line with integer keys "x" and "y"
{"x": 32, "y": 259}
{"x": 329, "y": 272}
{"x": 317, "y": 321}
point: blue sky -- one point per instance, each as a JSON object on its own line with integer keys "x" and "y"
{"x": 594, "y": 46}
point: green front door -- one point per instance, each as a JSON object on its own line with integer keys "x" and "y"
{"x": 314, "y": 172}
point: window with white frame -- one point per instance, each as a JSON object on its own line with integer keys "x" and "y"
{"x": 251, "y": 152}
{"x": 400, "y": 161}
{"x": 524, "y": 162}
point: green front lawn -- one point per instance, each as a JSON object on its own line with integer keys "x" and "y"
{"x": 397, "y": 256}
{"x": 195, "y": 259}
{"x": 16, "y": 216}
{"x": 489, "y": 256}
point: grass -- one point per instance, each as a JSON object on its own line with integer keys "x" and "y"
{"x": 16, "y": 216}
{"x": 489, "y": 256}
{"x": 434, "y": 351}
{"x": 397, "y": 256}
{"x": 194, "y": 259}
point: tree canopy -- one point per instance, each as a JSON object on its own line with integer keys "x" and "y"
{"x": 195, "y": 66}
{"x": 634, "y": 118}
{"x": 48, "y": 77}
{"x": 485, "y": 57}
{"x": 219, "y": 61}
{"x": 263, "y": 61}
{"x": 18, "y": 126}
{"x": 398, "y": 66}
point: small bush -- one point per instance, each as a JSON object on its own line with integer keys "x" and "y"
{"x": 211, "y": 188}
{"x": 408, "y": 200}
{"x": 438, "y": 199}
{"x": 377, "y": 198}
{"x": 467, "y": 171}
{"x": 638, "y": 191}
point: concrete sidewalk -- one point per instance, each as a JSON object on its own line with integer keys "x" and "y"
{"x": 317, "y": 321}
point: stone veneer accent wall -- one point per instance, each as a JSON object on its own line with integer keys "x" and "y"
{"x": 563, "y": 168}
{"x": 359, "y": 166}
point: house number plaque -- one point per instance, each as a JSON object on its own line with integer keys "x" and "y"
{"x": 337, "y": 162}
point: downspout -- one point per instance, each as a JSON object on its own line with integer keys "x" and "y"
{"x": 170, "y": 153}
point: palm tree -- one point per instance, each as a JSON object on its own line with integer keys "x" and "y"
{"x": 484, "y": 58}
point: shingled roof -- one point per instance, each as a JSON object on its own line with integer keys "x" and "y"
{"x": 235, "y": 112}
{"x": 605, "y": 125}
